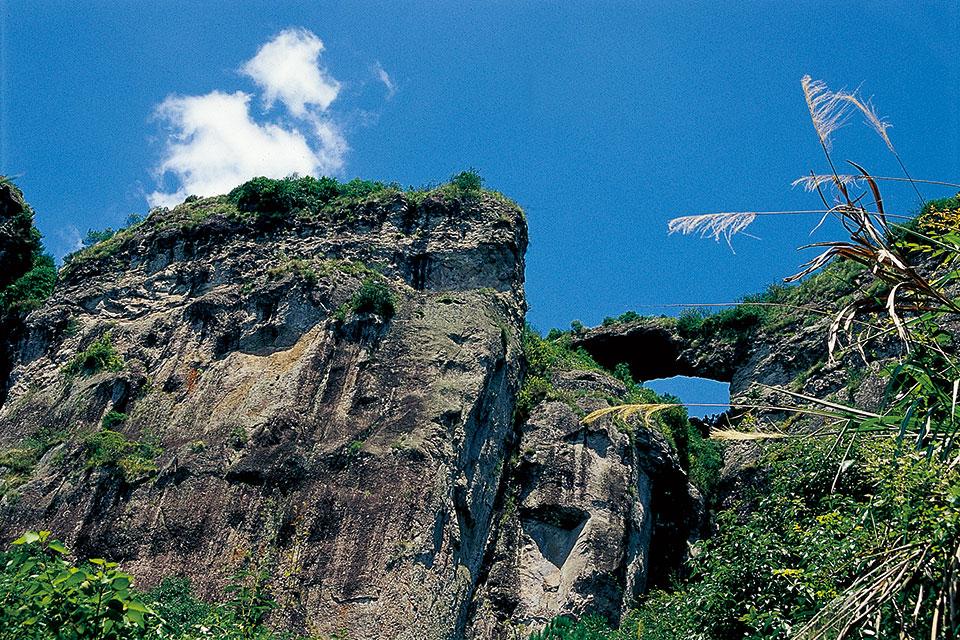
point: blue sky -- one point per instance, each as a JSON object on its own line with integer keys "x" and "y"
{"x": 602, "y": 119}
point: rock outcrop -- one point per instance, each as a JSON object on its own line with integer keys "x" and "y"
{"x": 210, "y": 392}
{"x": 354, "y": 456}
{"x": 742, "y": 355}
{"x": 588, "y": 509}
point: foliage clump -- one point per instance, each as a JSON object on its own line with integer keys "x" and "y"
{"x": 299, "y": 267}
{"x": 46, "y": 595}
{"x": 99, "y": 356}
{"x": 940, "y": 217}
{"x": 543, "y": 357}
{"x": 30, "y": 290}
{"x": 133, "y": 459}
{"x": 27, "y": 272}
{"x": 280, "y": 197}
{"x": 20, "y": 461}
{"x": 467, "y": 182}
{"x": 374, "y": 296}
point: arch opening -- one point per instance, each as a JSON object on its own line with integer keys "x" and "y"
{"x": 694, "y": 390}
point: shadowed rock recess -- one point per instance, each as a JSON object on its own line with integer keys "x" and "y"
{"x": 205, "y": 391}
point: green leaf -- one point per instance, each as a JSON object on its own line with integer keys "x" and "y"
{"x": 57, "y": 546}
{"x": 27, "y": 538}
{"x": 136, "y": 605}
{"x": 135, "y": 616}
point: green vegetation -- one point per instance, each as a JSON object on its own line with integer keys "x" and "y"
{"x": 30, "y": 290}
{"x": 113, "y": 419}
{"x": 800, "y": 539}
{"x": 543, "y": 357}
{"x": 44, "y": 595}
{"x": 27, "y": 273}
{"x": 99, "y": 356}
{"x": 302, "y": 269}
{"x": 310, "y": 271}
{"x": 373, "y": 296}
{"x": 96, "y": 237}
{"x": 775, "y": 309}
{"x": 277, "y": 198}
{"x": 699, "y": 455}
{"x": 239, "y": 437}
{"x": 133, "y": 460}
{"x": 934, "y": 232}
{"x": 21, "y": 460}
{"x": 354, "y": 448}
{"x": 100, "y": 244}
{"x": 627, "y": 316}
{"x": 467, "y": 182}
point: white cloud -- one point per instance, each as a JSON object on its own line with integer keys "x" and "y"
{"x": 68, "y": 240}
{"x": 386, "y": 80}
{"x": 214, "y": 143}
{"x": 288, "y": 69}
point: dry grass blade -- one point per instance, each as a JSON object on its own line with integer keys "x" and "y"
{"x": 866, "y": 107}
{"x": 880, "y": 126}
{"x": 625, "y": 411}
{"x": 844, "y": 409}
{"x": 843, "y": 319}
{"x": 890, "y": 575}
{"x": 877, "y": 198}
{"x": 732, "y": 434}
{"x": 897, "y": 322}
{"x": 713, "y": 225}
{"x": 815, "y": 180}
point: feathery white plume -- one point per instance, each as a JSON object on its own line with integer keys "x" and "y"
{"x": 713, "y": 225}
{"x": 828, "y": 110}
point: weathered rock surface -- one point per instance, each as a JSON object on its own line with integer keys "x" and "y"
{"x": 357, "y": 459}
{"x": 369, "y": 462}
{"x": 588, "y": 508}
{"x": 656, "y": 347}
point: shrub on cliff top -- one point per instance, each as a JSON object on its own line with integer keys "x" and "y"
{"x": 277, "y": 197}
{"x": 468, "y": 181}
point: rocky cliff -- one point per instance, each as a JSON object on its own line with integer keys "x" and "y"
{"x": 330, "y": 399}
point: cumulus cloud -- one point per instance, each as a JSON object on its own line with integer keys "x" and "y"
{"x": 288, "y": 69}
{"x": 214, "y": 142}
{"x": 385, "y": 79}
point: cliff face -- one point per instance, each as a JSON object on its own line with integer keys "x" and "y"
{"x": 355, "y": 455}
{"x": 328, "y": 399}
{"x": 590, "y": 509}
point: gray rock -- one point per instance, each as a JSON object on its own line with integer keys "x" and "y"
{"x": 576, "y": 531}
{"x": 356, "y": 459}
